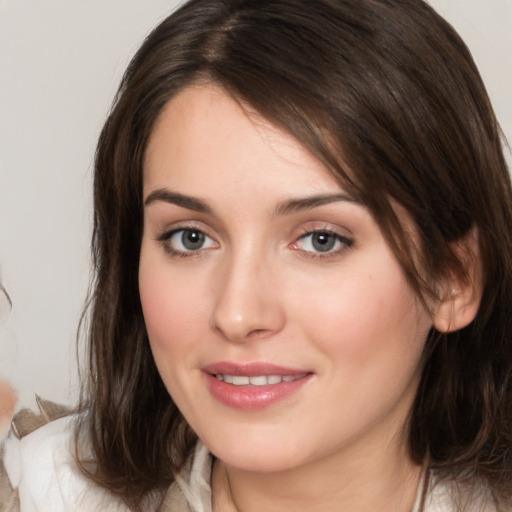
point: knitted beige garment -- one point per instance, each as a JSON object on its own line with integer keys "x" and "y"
{"x": 25, "y": 422}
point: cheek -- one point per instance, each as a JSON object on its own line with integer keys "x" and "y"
{"x": 171, "y": 313}
{"x": 171, "y": 305}
{"x": 366, "y": 317}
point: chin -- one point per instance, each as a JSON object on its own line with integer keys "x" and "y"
{"x": 257, "y": 453}
{"x": 250, "y": 462}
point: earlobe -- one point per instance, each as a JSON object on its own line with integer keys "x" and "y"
{"x": 457, "y": 310}
{"x": 459, "y": 303}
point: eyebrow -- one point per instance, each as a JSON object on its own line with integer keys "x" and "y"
{"x": 308, "y": 203}
{"x": 284, "y": 208}
{"x": 167, "y": 196}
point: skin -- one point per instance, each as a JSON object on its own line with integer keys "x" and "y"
{"x": 258, "y": 289}
{"x": 7, "y": 405}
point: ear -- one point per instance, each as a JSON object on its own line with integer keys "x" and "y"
{"x": 460, "y": 298}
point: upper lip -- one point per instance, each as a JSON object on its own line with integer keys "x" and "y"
{"x": 250, "y": 369}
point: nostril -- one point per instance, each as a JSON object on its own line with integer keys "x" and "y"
{"x": 256, "y": 333}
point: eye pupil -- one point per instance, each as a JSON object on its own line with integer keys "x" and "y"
{"x": 192, "y": 240}
{"x": 323, "y": 242}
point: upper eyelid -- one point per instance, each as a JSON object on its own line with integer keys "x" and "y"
{"x": 168, "y": 232}
{"x": 181, "y": 226}
{"x": 163, "y": 223}
{"x": 326, "y": 227}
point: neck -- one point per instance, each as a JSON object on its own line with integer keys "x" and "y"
{"x": 384, "y": 480}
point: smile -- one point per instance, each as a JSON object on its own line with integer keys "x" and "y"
{"x": 257, "y": 380}
{"x": 253, "y": 386}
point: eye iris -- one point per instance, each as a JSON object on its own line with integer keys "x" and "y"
{"x": 192, "y": 240}
{"x": 323, "y": 242}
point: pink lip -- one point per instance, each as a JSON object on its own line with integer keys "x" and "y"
{"x": 252, "y": 397}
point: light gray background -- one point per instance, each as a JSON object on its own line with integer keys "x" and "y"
{"x": 60, "y": 63}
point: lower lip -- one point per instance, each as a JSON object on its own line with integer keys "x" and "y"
{"x": 252, "y": 397}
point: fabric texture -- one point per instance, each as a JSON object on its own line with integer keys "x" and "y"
{"x": 25, "y": 422}
{"x": 38, "y": 474}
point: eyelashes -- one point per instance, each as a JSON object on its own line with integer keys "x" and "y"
{"x": 186, "y": 242}
{"x": 322, "y": 243}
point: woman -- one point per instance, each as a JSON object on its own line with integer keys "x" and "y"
{"x": 303, "y": 277}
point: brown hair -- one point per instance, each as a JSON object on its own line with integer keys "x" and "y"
{"x": 386, "y": 94}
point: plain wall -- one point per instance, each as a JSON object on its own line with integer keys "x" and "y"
{"x": 60, "y": 63}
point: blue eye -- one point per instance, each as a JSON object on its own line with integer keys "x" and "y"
{"x": 323, "y": 242}
{"x": 186, "y": 240}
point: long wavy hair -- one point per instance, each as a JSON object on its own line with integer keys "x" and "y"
{"x": 387, "y": 96}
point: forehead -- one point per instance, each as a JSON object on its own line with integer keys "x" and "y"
{"x": 204, "y": 135}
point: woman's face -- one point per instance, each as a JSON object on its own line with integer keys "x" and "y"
{"x": 280, "y": 320}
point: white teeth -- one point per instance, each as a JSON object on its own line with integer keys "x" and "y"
{"x": 257, "y": 380}
{"x": 261, "y": 380}
{"x": 239, "y": 380}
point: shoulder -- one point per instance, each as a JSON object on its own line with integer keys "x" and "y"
{"x": 447, "y": 496}
{"x": 40, "y": 473}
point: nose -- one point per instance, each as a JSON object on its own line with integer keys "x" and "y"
{"x": 247, "y": 300}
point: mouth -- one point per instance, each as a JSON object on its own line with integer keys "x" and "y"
{"x": 257, "y": 380}
{"x": 253, "y": 386}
